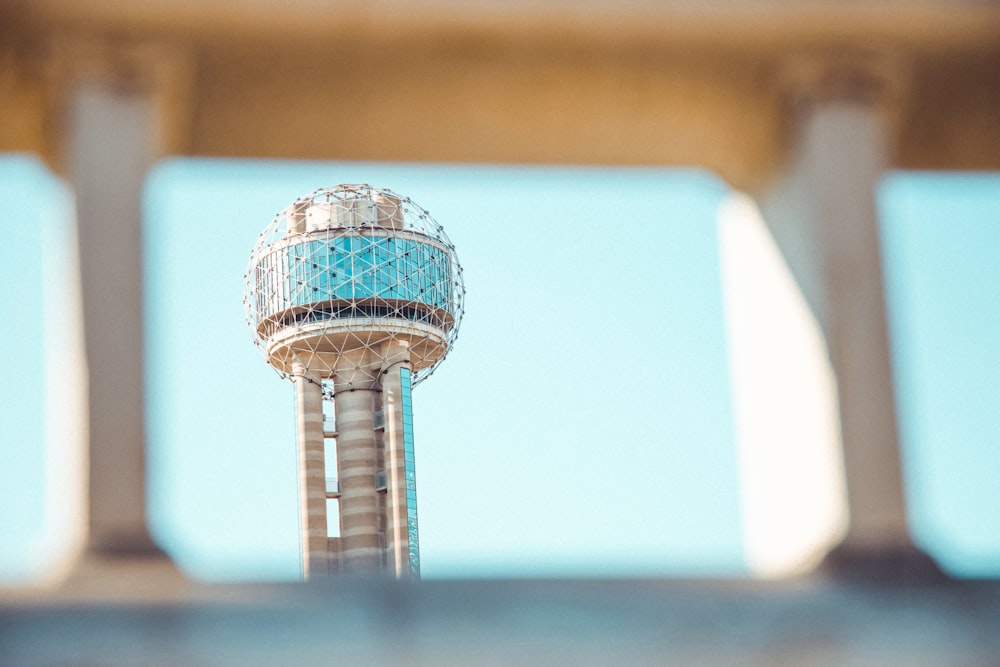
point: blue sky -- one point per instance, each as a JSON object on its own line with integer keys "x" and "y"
{"x": 583, "y": 422}
{"x": 942, "y": 238}
{"x": 23, "y": 185}
{"x": 534, "y": 437}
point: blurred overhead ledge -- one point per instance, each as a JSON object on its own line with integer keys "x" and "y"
{"x": 763, "y": 24}
{"x": 562, "y": 83}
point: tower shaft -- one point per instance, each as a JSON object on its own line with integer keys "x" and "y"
{"x": 400, "y": 483}
{"x": 356, "y": 292}
{"x": 376, "y": 488}
{"x": 312, "y": 474}
{"x": 355, "y": 404}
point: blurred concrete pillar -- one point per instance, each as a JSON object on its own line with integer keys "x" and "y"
{"x": 108, "y": 152}
{"x": 793, "y": 503}
{"x": 824, "y": 216}
{"x": 111, "y": 118}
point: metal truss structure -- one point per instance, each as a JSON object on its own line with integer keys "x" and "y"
{"x": 346, "y": 272}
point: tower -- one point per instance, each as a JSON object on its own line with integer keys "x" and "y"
{"x": 355, "y": 294}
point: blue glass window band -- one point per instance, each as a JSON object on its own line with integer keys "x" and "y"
{"x": 355, "y": 268}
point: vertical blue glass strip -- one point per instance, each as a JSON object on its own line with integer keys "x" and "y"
{"x": 411, "y": 478}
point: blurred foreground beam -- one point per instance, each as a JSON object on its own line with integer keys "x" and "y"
{"x": 545, "y": 82}
{"x": 538, "y": 622}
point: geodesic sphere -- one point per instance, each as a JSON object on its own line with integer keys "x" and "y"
{"x": 350, "y": 275}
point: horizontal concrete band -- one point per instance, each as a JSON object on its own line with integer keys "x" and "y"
{"x": 398, "y": 504}
{"x": 354, "y": 405}
{"x": 360, "y": 520}
{"x": 357, "y": 473}
{"x": 359, "y": 537}
{"x": 359, "y": 459}
{"x": 358, "y": 491}
{"x": 355, "y": 416}
{"x": 316, "y": 533}
{"x": 369, "y": 510}
{"x": 349, "y": 445}
{"x": 358, "y": 495}
{"x": 358, "y": 488}
{"x": 366, "y": 515}
{"x": 347, "y": 432}
{"x": 391, "y": 517}
{"x": 357, "y": 454}
{"x": 313, "y": 502}
{"x": 357, "y": 466}
{"x": 396, "y": 501}
{"x": 371, "y": 554}
{"x": 356, "y": 443}
{"x": 397, "y": 533}
{"x": 358, "y": 547}
{"x": 313, "y": 505}
{"x": 359, "y": 419}
{"x": 359, "y": 500}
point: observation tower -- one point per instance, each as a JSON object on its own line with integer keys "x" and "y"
{"x": 355, "y": 294}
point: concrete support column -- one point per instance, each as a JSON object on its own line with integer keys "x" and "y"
{"x": 397, "y": 356}
{"x": 312, "y": 474}
{"x": 357, "y": 460}
{"x": 109, "y": 150}
{"x": 116, "y": 108}
{"x": 824, "y": 217}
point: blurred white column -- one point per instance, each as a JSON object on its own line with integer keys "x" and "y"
{"x": 109, "y": 151}
{"x": 784, "y": 392}
{"x": 824, "y": 216}
{"x": 116, "y": 103}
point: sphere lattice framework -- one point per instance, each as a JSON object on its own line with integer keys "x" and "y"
{"x": 347, "y": 273}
